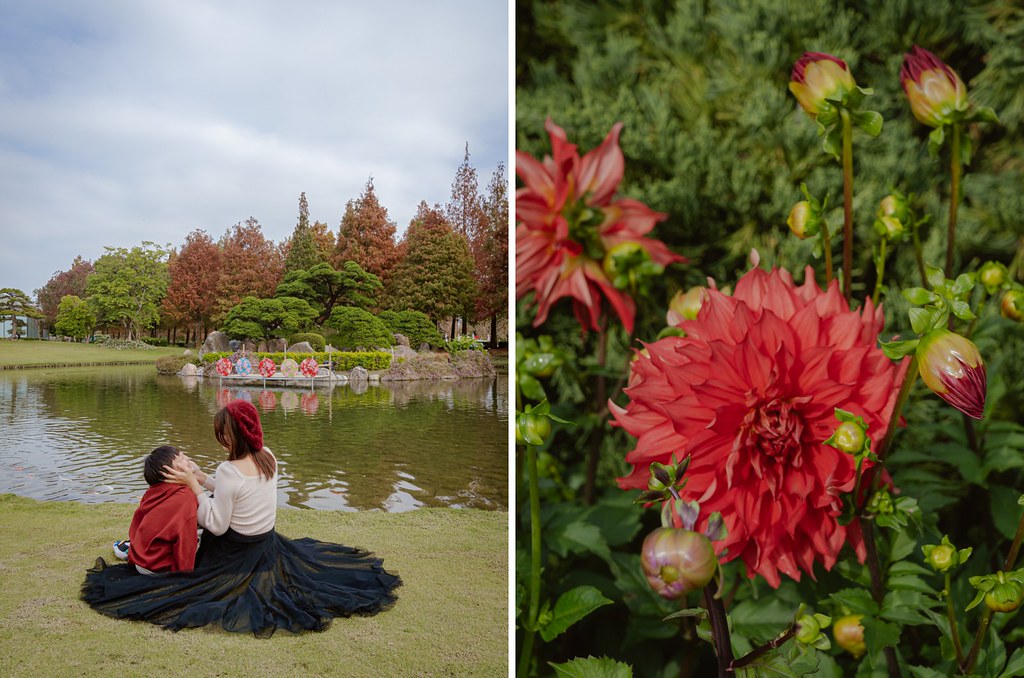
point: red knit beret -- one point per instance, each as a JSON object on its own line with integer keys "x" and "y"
{"x": 248, "y": 420}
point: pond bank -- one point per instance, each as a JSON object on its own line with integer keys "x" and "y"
{"x": 442, "y": 624}
{"x": 59, "y": 354}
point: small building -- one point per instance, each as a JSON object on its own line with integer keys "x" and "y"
{"x": 30, "y": 328}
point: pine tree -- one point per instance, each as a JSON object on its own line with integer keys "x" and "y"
{"x": 366, "y": 235}
{"x": 14, "y": 303}
{"x": 302, "y": 247}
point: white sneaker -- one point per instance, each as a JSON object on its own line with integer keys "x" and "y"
{"x": 121, "y": 549}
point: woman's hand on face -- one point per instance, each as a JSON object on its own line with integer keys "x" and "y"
{"x": 179, "y": 476}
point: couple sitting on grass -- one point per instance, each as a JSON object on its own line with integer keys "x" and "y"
{"x": 243, "y": 575}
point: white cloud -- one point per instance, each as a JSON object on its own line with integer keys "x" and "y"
{"x": 122, "y": 121}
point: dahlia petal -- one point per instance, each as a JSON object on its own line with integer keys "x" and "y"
{"x": 601, "y": 170}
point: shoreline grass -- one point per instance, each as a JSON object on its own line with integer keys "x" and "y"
{"x": 50, "y": 354}
{"x": 451, "y": 618}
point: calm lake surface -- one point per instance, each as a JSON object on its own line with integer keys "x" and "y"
{"x": 81, "y": 434}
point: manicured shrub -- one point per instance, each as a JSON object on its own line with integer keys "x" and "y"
{"x": 413, "y": 324}
{"x": 343, "y": 361}
{"x": 359, "y": 329}
{"x": 315, "y": 340}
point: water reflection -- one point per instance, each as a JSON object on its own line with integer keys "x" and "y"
{"x": 81, "y": 434}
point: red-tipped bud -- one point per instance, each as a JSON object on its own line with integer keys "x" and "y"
{"x": 1012, "y": 305}
{"x": 951, "y": 366}
{"x": 817, "y": 77}
{"x": 677, "y": 561}
{"x": 936, "y": 93}
{"x": 804, "y": 220}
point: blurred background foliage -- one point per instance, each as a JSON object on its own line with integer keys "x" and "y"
{"x": 713, "y": 137}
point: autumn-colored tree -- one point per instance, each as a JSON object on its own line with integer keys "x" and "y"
{"x": 128, "y": 286}
{"x": 253, "y": 266}
{"x": 324, "y": 239}
{"x": 61, "y": 284}
{"x": 436, "y": 274}
{"x": 492, "y": 252}
{"x": 465, "y": 208}
{"x": 194, "y": 274}
{"x": 367, "y": 235}
{"x": 302, "y": 246}
{"x": 14, "y": 303}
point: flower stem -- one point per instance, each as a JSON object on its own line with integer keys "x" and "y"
{"x": 894, "y": 419}
{"x": 767, "y": 647}
{"x": 847, "y": 204}
{"x": 880, "y": 269}
{"x": 986, "y": 616}
{"x": 954, "y": 198}
{"x": 918, "y": 256}
{"x": 877, "y": 591}
{"x": 951, "y": 613}
{"x": 719, "y": 632}
{"x": 826, "y": 244}
{"x": 600, "y": 399}
{"x": 531, "y": 625}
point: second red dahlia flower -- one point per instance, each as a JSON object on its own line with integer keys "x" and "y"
{"x": 750, "y": 394}
{"x": 571, "y": 232}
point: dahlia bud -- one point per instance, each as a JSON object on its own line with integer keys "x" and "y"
{"x": 945, "y": 556}
{"x": 1012, "y": 305}
{"x": 685, "y": 306}
{"x": 626, "y": 263}
{"x": 851, "y": 434}
{"x": 803, "y": 220}
{"x": 894, "y": 205}
{"x": 849, "y": 634}
{"x": 817, "y": 77}
{"x": 677, "y": 561}
{"x": 936, "y": 93}
{"x": 1002, "y": 591}
{"x": 992, "y": 275}
{"x": 532, "y": 429}
{"x": 808, "y": 630}
{"x": 881, "y": 503}
{"x": 890, "y": 227}
{"x": 951, "y": 366}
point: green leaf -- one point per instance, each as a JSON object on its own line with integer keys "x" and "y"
{"x": 925, "y": 672}
{"x": 921, "y": 320}
{"x": 592, "y": 667}
{"x": 963, "y": 284}
{"x": 984, "y": 114}
{"x": 895, "y": 350}
{"x": 698, "y": 612}
{"x": 910, "y": 582}
{"x": 879, "y": 634}
{"x": 833, "y": 141}
{"x": 761, "y": 620}
{"x": 1014, "y": 667}
{"x": 1001, "y": 499}
{"x": 961, "y": 309}
{"x": 935, "y": 276}
{"x": 531, "y": 387}
{"x": 857, "y": 601}
{"x": 572, "y": 606}
{"x": 919, "y": 296}
{"x": 966, "y": 151}
{"x": 935, "y": 140}
{"x": 869, "y": 121}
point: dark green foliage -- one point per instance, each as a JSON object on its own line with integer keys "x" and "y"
{"x": 359, "y": 329}
{"x": 342, "y": 360}
{"x": 416, "y": 326}
{"x": 256, "y": 318}
{"x": 172, "y": 364}
{"x": 315, "y": 340}
{"x": 324, "y": 287}
{"x": 74, "y": 319}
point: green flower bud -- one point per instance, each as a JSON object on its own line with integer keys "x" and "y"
{"x": 804, "y": 221}
{"x": 992, "y": 275}
{"x": 677, "y": 561}
{"x": 894, "y": 205}
{"x": 945, "y": 556}
{"x": 890, "y": 227}
{"x": 880, "y": 503}
{"x": 849, "y": 634}
{"x": 532, "y": 429}
{"x": 850, "y": 437}
{"x": 1004, "y": 597}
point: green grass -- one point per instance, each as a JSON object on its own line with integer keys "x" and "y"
{"x": 451, "y": 618}
{"x": 60, "y": 354}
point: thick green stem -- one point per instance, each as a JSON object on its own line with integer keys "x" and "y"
{"x": 847, "y": 204}
{"x": 877, "y": 588}
{"x": 954, "y": 198}
{"x": 880, "y": 270}
{"x": 531, "y": 625}
{"x": 951, "y": 613}
{"x": 826, "y": 244}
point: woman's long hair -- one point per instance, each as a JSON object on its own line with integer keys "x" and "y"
{"x": 228, "y": 434}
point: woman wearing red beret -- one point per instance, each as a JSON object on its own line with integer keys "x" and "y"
{"x": 247, "y": 577}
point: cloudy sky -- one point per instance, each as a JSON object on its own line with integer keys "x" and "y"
{"x": 125, "y": 121}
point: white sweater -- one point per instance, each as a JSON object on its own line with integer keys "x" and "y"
{"x": 246, "y": 504}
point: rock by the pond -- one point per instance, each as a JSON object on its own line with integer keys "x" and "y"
{"x": 358, "y": 374}
{"x": 189, "y": 370}
{"x": 187, "y": 352}
{"x": 234, "y": 345}
{"x": 424, "y": 347}
{"x": 401, "y": 339}
{"x": 301, "y": 347}
{"x": 216, "y": 342}
{"x": 404, "y": 352}
{"x": 262, "y": 348}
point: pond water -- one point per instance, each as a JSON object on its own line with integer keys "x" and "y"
{"x": 82, "y": 433}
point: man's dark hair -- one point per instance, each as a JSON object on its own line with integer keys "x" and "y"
{"x": 157, "y": 461}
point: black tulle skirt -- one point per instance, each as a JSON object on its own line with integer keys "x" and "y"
{"x": 254, "y": 584}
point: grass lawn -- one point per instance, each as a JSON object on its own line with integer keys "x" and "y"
{"x": 23, "y": 353}
{"x": 451, "y": 618}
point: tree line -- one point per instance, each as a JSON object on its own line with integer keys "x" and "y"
{"x": 451, "y": 263}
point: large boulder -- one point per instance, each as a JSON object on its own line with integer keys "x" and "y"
{"x": 401, "y": 339}
{"x": 216, "y": 342}
{"x": 404, "y": 353}
{"x": 301, "y": 347}
{"x": 262, "y": 348}
{"x": 358, "y": 374}
{"x": 189, "y": 370}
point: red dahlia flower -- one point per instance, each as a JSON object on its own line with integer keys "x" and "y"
{"x": 569, "y": 226}
{"x": 750, "y": 393}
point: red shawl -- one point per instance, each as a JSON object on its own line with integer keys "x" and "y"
{"x": 163, "y": 530}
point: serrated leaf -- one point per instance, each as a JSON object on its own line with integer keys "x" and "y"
{"x": 592, "y": 667}
{"x": 879, "y": 634}
{"x": 572, "y": 606}
{"x": 925, "y": 672}
{"x": 761, "y": 620}
{"x": 921, "y": 320}
{"x": 919, "y": 296}
{"x": 961, "y": 309}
